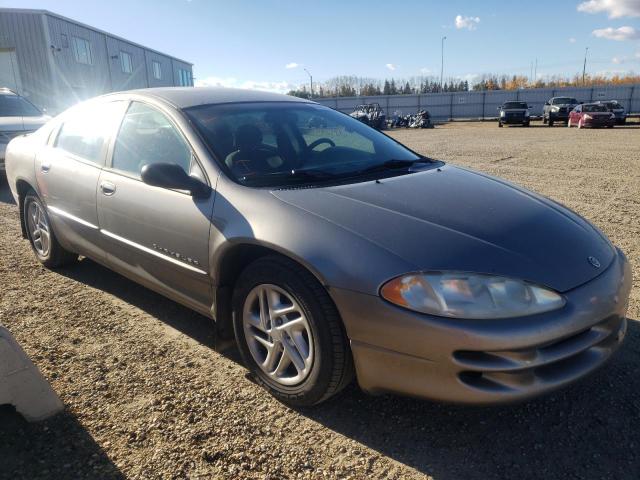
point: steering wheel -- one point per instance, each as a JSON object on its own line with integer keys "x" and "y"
{"x": 320, "y": 141}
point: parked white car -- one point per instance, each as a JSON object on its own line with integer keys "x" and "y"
{"x": 18, "y": 116}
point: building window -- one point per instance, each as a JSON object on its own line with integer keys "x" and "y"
{"x": 125, "y": 62}
{"x": 82, "y": 50}
{"x": 157, "y": 70}
{"x": 184, "y": 77}
{"x": 65, "y": 40}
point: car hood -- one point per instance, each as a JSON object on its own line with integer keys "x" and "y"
{"x": 456, "y": 219}
{"x": 14, "y": 124}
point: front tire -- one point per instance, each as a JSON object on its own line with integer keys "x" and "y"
{"x": 41, "y": 236}
{"x": 289, "y": 332}
{"x": 500, "y": 124}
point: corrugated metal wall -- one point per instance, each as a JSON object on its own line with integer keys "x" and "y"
{"x": 474, "y": 105}
{"x": 25, "y": 34}
{"x": 54, "y": 79}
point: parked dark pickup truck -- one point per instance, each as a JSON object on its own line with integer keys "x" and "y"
{"x": 557, "y": 110}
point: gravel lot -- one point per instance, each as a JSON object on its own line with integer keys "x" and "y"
{"x": 148, "y": 397}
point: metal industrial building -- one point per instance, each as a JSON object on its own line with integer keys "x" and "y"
{"x": 55, "y": 61}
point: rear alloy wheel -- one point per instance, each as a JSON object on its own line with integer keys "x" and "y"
{"x": 289, "y": 333}
{"x": 41, "y": 236}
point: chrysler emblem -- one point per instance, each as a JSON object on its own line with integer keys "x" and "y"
{"x": 594, "y": 261}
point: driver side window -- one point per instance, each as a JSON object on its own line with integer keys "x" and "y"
{"x": 147, "y": 136}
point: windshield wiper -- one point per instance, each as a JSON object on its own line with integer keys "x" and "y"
{"x": 308, "y": 174}
{"x": 393, "y": 165}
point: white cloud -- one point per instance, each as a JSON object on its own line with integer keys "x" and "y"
{"x": 619, "y": 34}
{"x": 638, "y": 54}
{"x": 613, "y": 8}
{"x": 617, "y": 60}
{"x": 231, "y": 82}
{"x": 572, "y": 40}
{"x": 291, "y": 65}
{"x": 391, "y": 66}
{"x": 425, "y": 71}
{"x": 470, "y": 23}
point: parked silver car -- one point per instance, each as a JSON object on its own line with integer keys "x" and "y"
{"x": 326, "y": 247}
{"x": 18, "y": 116}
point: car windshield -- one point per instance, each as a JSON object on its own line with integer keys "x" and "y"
{"x": 282, "y": 143}
{"x": 16, "y": 106}
{"x": 564, "y": 101}
{"x": 594, "y": 108}
{"x": 510, "y": 105}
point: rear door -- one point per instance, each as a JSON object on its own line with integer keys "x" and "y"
{"x": 67, "y": 172}
{"x": 157, "y": 236}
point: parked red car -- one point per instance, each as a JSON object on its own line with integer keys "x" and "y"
{"x": 591, "y": 115}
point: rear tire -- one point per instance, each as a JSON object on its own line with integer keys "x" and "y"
{"x": 40, "y": 233}
{"x": 308, "y": 337}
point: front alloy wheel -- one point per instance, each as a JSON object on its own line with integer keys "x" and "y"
{"x": 289, "y": 332}
{"x": 278, "y": 334}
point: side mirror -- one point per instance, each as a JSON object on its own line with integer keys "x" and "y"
{"x": 171, "y": 175}
{"x": 546, "y": 103}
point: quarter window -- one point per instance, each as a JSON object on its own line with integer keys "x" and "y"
{"x": 82, "y": 51}
{"x": 147, "y": 136}
{"x": 85, "y": 131}
{"x": 125, "y": 62}
{"x": 157, "y": 70}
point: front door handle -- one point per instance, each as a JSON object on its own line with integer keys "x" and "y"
{"x": 107, "y": 188}
{"x": 45, "y": 167}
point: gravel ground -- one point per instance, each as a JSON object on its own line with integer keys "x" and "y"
{"x": 147, "y": 396}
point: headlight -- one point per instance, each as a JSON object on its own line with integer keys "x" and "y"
{"x": 526, "y": 113}
{"x": 588, "y": 117}
{"x": 555, "y": 109}
{"x": 469, "y": 295}
{"x": 502, "y": 113}
{"x": 612, "y": 116}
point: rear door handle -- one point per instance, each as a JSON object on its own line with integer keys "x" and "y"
{"x": 108, "y": 188}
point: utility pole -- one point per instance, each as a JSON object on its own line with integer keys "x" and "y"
{"x": 584, "y": 67}
{"x": 310, "y": 81}
{"x": 535, "y": 72}
{"x": 442, "y": 62}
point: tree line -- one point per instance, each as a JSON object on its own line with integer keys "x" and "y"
{"x": 353, "y": 86}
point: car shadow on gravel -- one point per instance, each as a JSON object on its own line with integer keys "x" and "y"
{"x": 589, "y": 430}
{"x": 5, "y": 192}
{"x": 56, "y": 448}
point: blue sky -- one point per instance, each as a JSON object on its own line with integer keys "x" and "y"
{"x": 266, "y": 44}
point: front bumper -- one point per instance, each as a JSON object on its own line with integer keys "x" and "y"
{"x": 559, "y": 116}
{"x": 486, "y": 361}
{"x": 514, "y": 119}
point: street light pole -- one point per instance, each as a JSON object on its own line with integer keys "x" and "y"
{"x": 310, "y": 81}
{"x": 442, "y": 62}
{"x": 584, "y": 67}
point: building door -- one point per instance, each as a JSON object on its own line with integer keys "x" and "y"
{"x": 9, "y": 71}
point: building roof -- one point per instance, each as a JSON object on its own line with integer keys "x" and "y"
{"x": 184, "y": 97}
{"x": 84, "y": 25}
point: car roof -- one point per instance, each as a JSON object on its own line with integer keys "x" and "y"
{"x": 185, "y": 97}
{"x": 7, "y": 91}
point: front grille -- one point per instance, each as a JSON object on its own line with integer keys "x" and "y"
{"x": 554, "y": 362}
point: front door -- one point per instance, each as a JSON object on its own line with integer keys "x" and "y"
{"x": 158, "y": 236}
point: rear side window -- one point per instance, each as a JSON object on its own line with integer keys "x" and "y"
{"x": 147, "y": 136}
{"x": 85, "y": 132}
